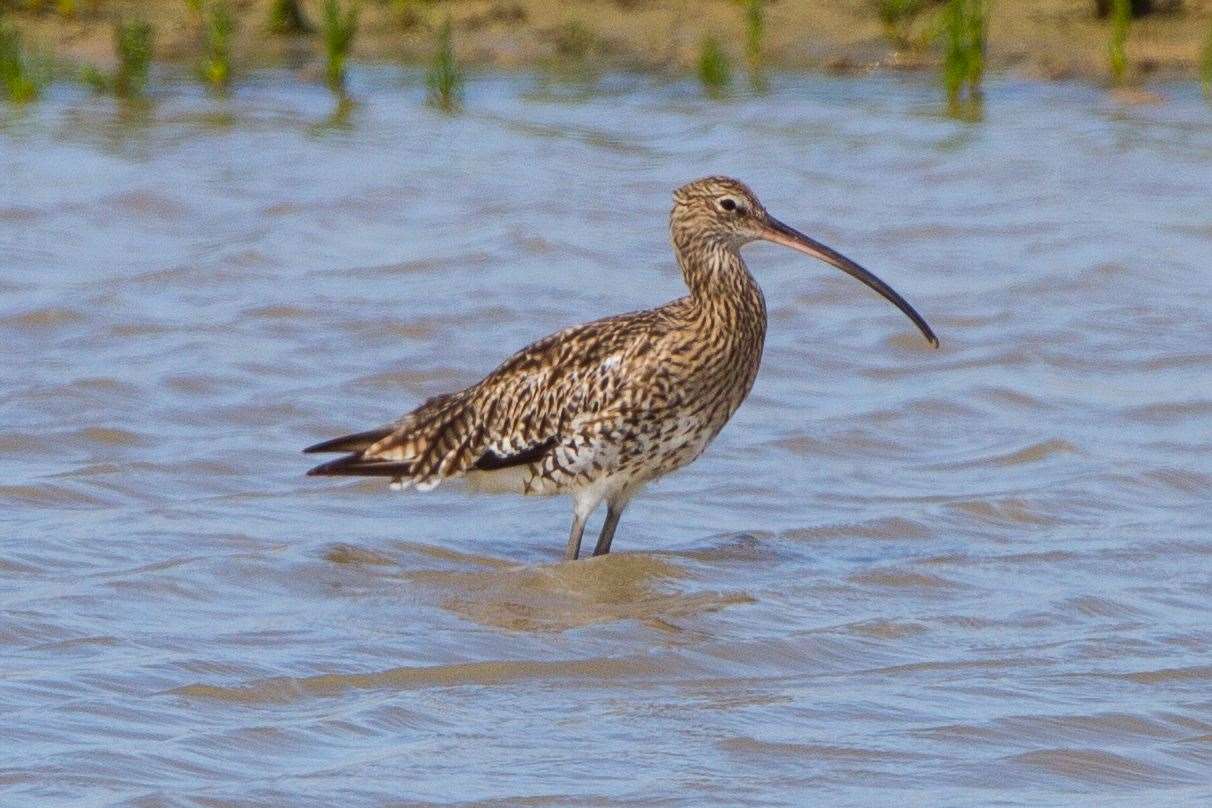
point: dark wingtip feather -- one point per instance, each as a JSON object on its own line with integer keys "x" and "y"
{"x": 491, "y": 461}
{"x": 349, "y": 443}
{"x": 354, "y": 465}
{"x": 325, "y": 468}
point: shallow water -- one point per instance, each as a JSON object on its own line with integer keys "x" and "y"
{"x": 973, "y": 576}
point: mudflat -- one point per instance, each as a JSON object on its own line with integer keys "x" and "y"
{"x": 1037, "y": 38}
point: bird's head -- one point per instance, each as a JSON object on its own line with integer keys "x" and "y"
{"x": 720, "y": 212}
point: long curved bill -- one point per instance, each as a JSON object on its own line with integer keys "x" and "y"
{"x": 779, "y": 233}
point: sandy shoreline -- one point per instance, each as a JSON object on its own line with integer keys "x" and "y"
{"x": 1050, "y": 39}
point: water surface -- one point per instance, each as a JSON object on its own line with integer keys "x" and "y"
{"x": 978, "y": 575}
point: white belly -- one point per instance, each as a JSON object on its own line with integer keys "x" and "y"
{"x": 600, "y": 465}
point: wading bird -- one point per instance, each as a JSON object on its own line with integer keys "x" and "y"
{"x": 600, "y": 409}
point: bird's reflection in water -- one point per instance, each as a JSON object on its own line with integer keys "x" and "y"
{"x": 553, "y": 597}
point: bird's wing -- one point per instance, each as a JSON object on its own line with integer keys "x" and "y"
{"x": 520, "y": 411}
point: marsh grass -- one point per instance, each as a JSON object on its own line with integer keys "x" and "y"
{"x": 898, "y": 17}
{"x": 220, "y": 27}
{"x": 23, "y": 76}
{"x": 714, "y": 69}
{"x": 1117, "y": 45}
{"x": 338, "y": 28}
{"x": 444, "y": 78}
{"x": 755, "y": 35}
{"x": 286, "y": 17}
{"x": 755, "y": 32}
{"x": 133, "y": 44}
{"x": 133, "y": 41}
{"x": 963, "y": 30}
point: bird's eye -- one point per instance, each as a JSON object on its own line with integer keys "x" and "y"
{"x": 728, "y": 204}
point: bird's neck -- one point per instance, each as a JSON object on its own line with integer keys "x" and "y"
{"x": 726, "y": 318}
{"x": 720, "y": 283}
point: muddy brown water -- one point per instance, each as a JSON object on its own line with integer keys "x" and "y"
{"x": 974, "y": 576}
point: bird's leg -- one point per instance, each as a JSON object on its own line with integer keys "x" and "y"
{"x": 584, "y": 503}
{"x": 574, "y": 538}
{"x": 613, "y": 511}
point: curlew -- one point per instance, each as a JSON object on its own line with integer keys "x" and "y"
{"x": 599, "y": 410}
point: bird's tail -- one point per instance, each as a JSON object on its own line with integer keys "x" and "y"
{"x": 357, "y": 442}
{"x": 419, "y": 450}
{"x": 355, "y": 463}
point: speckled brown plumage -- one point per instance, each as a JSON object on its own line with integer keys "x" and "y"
{"x": 600, "y": 409}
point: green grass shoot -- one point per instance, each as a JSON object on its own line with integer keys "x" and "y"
{"x": 1117, "y": 51}
{"x": 133, "y": 41}
{"x": 22, "y": 75}
{"x": 755, "y": 31}
{"x": 219, "y": 30}
{"x": 964, "y": 28}
{"x": 339, "y": 28}
{"x": 133, "y": 45}
{"x": 714, "y": 69}
{"x": 444, "y": 79}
